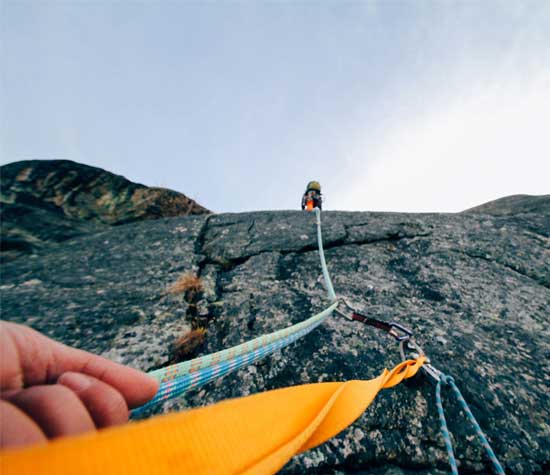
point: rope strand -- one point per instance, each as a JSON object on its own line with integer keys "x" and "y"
{"x": 449, "y": 380}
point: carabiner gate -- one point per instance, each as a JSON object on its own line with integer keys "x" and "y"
{"x": 416, "y": 351}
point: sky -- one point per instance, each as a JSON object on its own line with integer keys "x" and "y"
{"x": 413, "y": 106}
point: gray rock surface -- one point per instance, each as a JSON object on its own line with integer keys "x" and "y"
{"x": 474, "y": 288}
{"x": 514, "y": 204}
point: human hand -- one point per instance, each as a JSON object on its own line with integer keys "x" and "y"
{"x": 49, "y": 390}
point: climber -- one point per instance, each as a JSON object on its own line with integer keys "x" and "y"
{"x": 312, "y": 197}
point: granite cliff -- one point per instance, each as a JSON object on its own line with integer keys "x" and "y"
{"x": 514, "y": 204}
{"x": 48, "y": 201}
{"x": 474, "y": 288}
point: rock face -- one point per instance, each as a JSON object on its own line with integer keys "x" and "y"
{"x": 475, "y": 289}
{"x": 53, "y": 200}
{"x": 515, "y": 204}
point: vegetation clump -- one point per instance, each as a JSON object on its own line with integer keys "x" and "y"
{"x": 187, "y": 345}
{"x": 188, "y": 284}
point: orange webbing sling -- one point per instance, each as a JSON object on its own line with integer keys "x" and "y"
{"x": 251, "y": 435}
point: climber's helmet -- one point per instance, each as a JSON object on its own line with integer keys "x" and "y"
{"x": 313, "y": 186}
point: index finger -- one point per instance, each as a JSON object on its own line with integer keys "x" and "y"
{"x": 28, "y": 358}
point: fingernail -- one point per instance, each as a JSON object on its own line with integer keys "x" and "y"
{"x": 75, "y": 381}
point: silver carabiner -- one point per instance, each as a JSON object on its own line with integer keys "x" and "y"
{"x": 395, "y": 330}
{"x": 416, "y": 351}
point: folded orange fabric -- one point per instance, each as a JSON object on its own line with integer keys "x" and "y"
{"x": 251, "y": 435}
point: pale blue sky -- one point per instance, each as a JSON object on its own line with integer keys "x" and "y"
{"x": 391, "y": 105}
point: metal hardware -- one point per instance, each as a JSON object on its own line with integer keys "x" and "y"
{"x": 342, "y": 314}
{"x": 396, "y": 328}
{"x": 415, "y": 350}
{"x": 403, "y": 335}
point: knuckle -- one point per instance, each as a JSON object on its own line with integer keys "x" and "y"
{"x": 106, "y": 405}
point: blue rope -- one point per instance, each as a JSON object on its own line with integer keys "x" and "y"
{"x": 449, "y": 380}
{"x": 175, "y": 387}
{"x": 326, "y": 275}
{"x": 444, "y": 429}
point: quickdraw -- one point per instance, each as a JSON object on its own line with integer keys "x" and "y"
{"x": 394, "y": 329}
{"x": 409, "y": 348}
